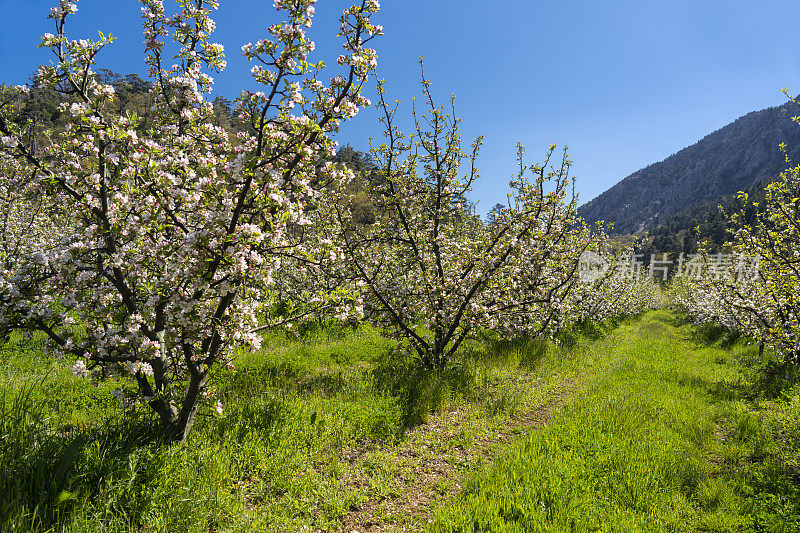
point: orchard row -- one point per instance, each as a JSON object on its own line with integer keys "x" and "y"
{"x": 156, "y": 251}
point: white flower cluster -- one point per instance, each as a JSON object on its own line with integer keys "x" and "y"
{"x": 152, "y": 249}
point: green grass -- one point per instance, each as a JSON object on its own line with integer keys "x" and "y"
{"x": 73, "y": 459}
{"x": 667, "y": 430}
{"x": 671, "y": 436}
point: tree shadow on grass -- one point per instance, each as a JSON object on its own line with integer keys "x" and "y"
{"x": 653, "y": 329}
{"x": 772, "y": 379}
{"x": 766, "y": 376}
{"x": 420, "y": 391}
{"x": 716, "y": 335}
{"x": 524, "y": 351}
{"x": 671, "y": 319}
{"x": 45, "y": 472}
{"x": 724, "y": 390}
{"x": 587, "y": 330}
{"x": 775, "y": 502}
{"x": 263, "y": 414}
{"x": 687, "y": 379}
{"x": 328, "y": 385}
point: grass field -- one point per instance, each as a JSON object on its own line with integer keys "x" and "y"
{"x": 672, "y": 436}
{"x": 642, "y": 425}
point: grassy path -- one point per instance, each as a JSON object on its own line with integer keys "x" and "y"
{"x": 640, "y": 427}
{"x": 434, "y": 460}
{"x": 662, "y": 439}
{"x": 330, "y": 431}
{"x": 431, "y": 469}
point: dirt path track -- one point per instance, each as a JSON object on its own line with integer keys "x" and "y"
{"x": 431, "y": 472}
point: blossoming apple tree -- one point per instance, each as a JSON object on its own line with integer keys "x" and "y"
{"x": 756, "y": 293}
{"x": 772, "y": 303}
{"x": 617, "y": 292}
{"x": 170, "y": 236}
{"x": 432, "y": 270}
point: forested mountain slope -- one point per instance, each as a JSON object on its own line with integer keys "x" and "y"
{"x": 732, "y": 158}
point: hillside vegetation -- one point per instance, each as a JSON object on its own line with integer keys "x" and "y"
{"x": 724, "y": 162}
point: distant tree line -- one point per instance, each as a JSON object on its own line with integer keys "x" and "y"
{"x": 132, "y": 95}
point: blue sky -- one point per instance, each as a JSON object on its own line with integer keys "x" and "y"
{"x": 623, "y": 83}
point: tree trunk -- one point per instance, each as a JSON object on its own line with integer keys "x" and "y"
{"x": 177, "y": 423}
{"x": 177, "y": 430}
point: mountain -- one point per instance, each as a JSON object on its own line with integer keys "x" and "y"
{"x": 731, "y": 159}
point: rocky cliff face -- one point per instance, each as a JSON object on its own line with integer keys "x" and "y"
{"x": 724, "y": 162}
